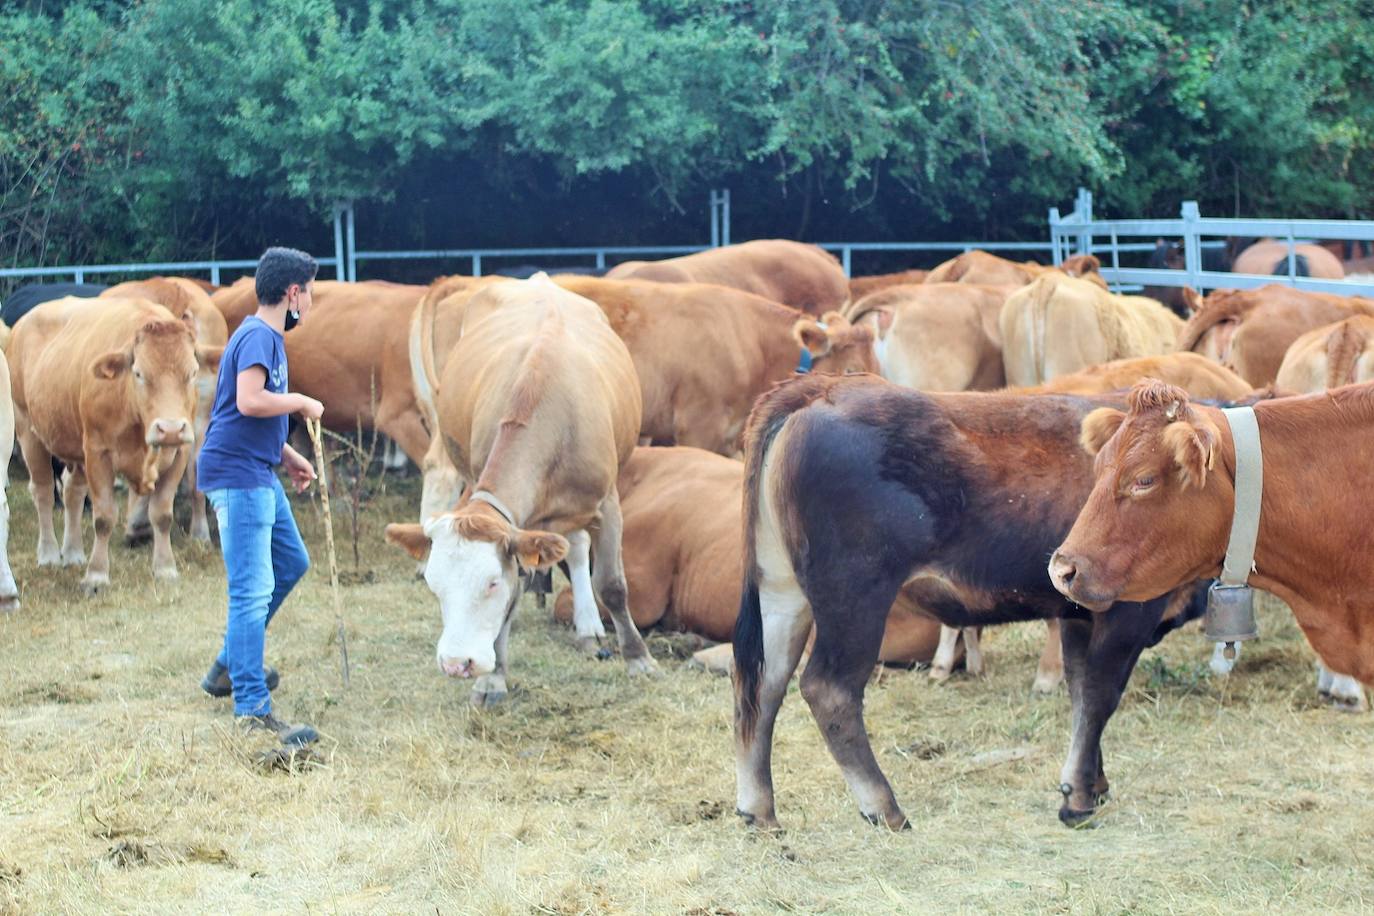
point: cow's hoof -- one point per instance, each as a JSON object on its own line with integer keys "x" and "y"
{"x": 73, "y": 558}
{"x": 644, "y": 666}
{"x": 1338, "y": 703}
{"x": 9, "y": 604}
{"x": 92, "y": 586}
{"x": 168, "y": 574}
{"x": 765, "y": 823}
{"x": 894, "y": 821}
{"x": 593, "y": 646}
{"x": 939, "y": 675}
{"x": 1046, "y": 683}
{"x": 488, "y": 691}
{"x": 200, "y": 533}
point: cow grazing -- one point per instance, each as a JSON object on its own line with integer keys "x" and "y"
{"x": 9, "y": 590}
{"x": 682, "y": 551}
{"x": 1060, "y": 324}
{"x": 862, "y": 286}
{"x": 20, "y": 302}
{"x": 109, "y": 387}
{"x": 854, "y": 488}
{"x": 538, "y": 408}
{"x": 1161, "y": 508}
{"x": 1250, "y": 330}
{"x": 803, "y": 276}
{"x": 186, "y": 299}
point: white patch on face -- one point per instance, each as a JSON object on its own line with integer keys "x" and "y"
{"x": 474, "y": 584}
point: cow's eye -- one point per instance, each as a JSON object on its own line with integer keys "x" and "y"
{"x": 138, "y": 374}
{"x": 1143, "y": 483}
{"x": 493, "y": 585}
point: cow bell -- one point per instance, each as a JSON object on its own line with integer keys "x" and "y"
{"x": 1230, "y": 615}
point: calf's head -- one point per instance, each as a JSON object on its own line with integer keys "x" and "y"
{"x": 836, "y": 346}
{"x": 159, "y": 370}
{"x": 1160, "y": 508}
{"x": 473, "y": 566}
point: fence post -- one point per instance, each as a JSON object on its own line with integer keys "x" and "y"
{"x": 1192, "y": 243}
{"x": 715, "y": 221}
{"x": 1084, "y": 209}
{"x": 1292, "y": 259}
{"x": 1055, "y": 256}
{"x": 845, "y": 261}
{"x": 214, "y": 275}
{"x": 352, "y": 247}
{"x": 725, "y": 217}
{"x": 338, "y": 241}
{"x": 477, "y": 265}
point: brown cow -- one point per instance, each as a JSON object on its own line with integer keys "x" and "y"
{"x": 862, "y": 286}
{"x": 538, "y": 408}
{"x": 682, "y": 551}
{"x": 1250, "y": 330}
{"x": 1161, "y": 509}
{"x": 989, "y": 270}
{"x": 936, "y": 336}
{"x": 1060, "y": 324}
{"x": 1270, "y": 257}
{"x": 702, "y": 354}
{"x": 186, "y": 299}
{"x": 803, "y": 276}
{"x": 108, "y": 387}
{"x": 236, "y": 301}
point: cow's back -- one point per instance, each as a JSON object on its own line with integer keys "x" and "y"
{"x": 1269, "y": 257}
{"x": 1329, "y": 356}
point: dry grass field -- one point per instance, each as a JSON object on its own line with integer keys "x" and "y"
{"x": 124, "y": 790}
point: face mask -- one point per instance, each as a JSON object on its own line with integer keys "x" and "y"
{"x": 293, "y": 318}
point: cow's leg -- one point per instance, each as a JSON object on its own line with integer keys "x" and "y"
{"x": 608, "y": 581}
{"x": 74, "y": 492}
{"x": 490, "y": 689}
{"x": 9, "y": 590}
{"x": 1099, "y": 656}
{"x": 942, "y": 664}
{"x": 586, "y": 617}
{"x": 38, "y": 461}
{"x": 1220, "y": 664}
{"x": 850, "y": 617}
{"x": 160, "y": 509}
{"x": 137, "y": 528}
{"x": 1343, "y": 691}
{"x": 99, "y": 472}
{"x": 406, "y": 429}
{"x": 200, "y": 522}
{"x": 785, "y": 620}
{"x": 973, "y": 650}
{"x": 1049, "y": 674}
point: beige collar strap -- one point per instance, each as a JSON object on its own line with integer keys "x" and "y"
{"x": 490, "y": 499}
{"x": 1240, "y": 549}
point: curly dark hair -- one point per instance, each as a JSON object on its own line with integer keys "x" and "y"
{"x": 277, "y": 269}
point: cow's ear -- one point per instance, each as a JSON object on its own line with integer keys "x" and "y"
{"x": 1194, "y": 447}
{"x": 880, "y": 319}
{"x": 809, "y": 335}
{"x": 409, "y": 537}
{"x": 208, "y": 357}
{"x": 112, "y": 364}
{"x": 1192, "y": 300}
{"x": 1098, "y": 427}
{"x": 538, "y": 549}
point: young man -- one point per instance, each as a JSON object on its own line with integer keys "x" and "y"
{"x": 264, "y": 556}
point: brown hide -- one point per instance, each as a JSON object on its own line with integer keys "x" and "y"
{"x": 682, "y": 550}
{"x": 862, "y": 286}
{"x": 989, "y": 270}
{"x": 1270, "y": 257}
{"x": 1330, "y": 356}
{"x": 236, "y": 302}
{"x": 803, "y": 276}
{"x": 1192, "y": 372}
{"x": 1249, "y": 331}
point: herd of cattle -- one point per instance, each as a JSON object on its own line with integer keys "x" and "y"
{"x": 914, "y": 452}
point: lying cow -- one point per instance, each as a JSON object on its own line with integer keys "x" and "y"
{"x": 803, "y": 276}
{"x": 1059, "y": 324}
{"x": 682, "y": 552}
{"x": 186, "y": 299}
{"x": 856, "y": 488}
{"x": 108, "y": 387}
{"x": 1161, "y": 509}
{"x": 538, "y": 408}
{"x": 1250, "y": 330}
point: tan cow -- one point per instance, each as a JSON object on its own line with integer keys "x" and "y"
{"x": 108, "y": 387}
{"x": 1250, "y": 330}
{"x": 186, "y": 299}
{"x": 1061, "y": 324}
{"x": 702, "y": 354}
{"x": 1329, "y": 357}
{"x": 862, "y": 286}
{"x": 936, "y": 336}
{"x": 803, "y": 276}
{"x": 683, "y": 551}
{"x": 1270, "y": 257}
{"x": 538, "y": 409}
{"x": 236, "y": 301}
{"x": 9, "y": 590}
{"x": 989, "y": 270}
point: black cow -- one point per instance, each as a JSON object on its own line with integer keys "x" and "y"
{"x": 20, "y": 302}
{"x": 1169, "y": 256}
{"x": 868, "y": 485}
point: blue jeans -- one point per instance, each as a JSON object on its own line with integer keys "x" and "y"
{"x": 264, "y": 557}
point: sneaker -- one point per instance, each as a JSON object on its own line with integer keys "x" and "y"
{"x": 216, "y": 681}
{"x": 290, "y": 735}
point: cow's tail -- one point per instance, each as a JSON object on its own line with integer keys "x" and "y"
{"x": 1344, "y": 347}
{"x": 765, "y": 421}
{"x": 1037, "y": 316}
{"x": 1301, "y": 267}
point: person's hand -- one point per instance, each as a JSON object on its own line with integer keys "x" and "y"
{"x": 297, "y": 468}
{"x": 310, "y": 408}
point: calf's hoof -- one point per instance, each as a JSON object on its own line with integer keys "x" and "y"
{"x": 488, "y": 691}
{"x": 644, "y": 666}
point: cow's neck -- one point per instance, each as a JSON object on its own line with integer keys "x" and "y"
{"x": 510, "y": 473}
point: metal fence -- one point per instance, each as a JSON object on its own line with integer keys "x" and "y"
{"x": 1080, "y": 233}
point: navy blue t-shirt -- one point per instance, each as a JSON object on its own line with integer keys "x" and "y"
{"x": 240, "y": 451}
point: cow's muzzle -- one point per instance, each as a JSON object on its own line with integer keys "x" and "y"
{"x": 1073, "y": 578}
{"x": 165, "y": 433}
{"x": 457, "y": 667}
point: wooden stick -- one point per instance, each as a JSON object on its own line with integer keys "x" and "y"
{"x": 313, "y": 427}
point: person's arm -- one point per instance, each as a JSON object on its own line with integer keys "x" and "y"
{"x": 254, "y": 400}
